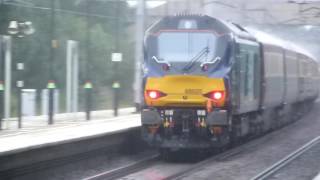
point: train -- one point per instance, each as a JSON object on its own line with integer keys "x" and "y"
{"x": 208, "y": 83}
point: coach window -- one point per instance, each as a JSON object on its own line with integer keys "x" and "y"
{"x": 247, "y": 74}
{"x": 257, "y": 70}
{"x": 243, "y": 69}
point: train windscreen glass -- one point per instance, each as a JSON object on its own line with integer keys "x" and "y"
{"x": 186, "y": 46}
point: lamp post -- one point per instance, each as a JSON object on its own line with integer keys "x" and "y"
{"x": 88, "y": 84}
{"x": 20, "y": 84}
{"x": 20, "y": 29}
{"x": 116, "y": 59}
{"x": 1, "y": 81}
{"x": 51, "y": 83}
{"x": 138, "y": 52}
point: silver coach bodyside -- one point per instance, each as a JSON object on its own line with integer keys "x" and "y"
{"x": 274, "y": 76}
{"x": 292, "y": 76}
{"x": 308, "y": 74}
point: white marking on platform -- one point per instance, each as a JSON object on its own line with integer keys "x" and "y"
{"x": 39, "y": 138}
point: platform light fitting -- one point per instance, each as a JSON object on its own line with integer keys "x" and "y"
{"x": 20, "y": 28}
{"x": 13, "y": 27}
{"x": 29, "y": 29}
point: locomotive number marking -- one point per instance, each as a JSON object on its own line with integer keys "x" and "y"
{"x": 193, "y": 91}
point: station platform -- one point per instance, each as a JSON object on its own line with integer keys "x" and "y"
{"x": 36, "y": 132}
{"x": 35, "y": 122}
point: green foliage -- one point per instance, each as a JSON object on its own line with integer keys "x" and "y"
{"x": 34, "y": 50}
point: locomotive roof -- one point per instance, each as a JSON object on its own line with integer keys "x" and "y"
{"x": 203, "y": 22}
{"x": 266, "y": 38}
{"x": 225, "y": 27}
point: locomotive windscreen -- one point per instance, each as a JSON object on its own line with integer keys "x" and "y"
{"x": 187, "y": 52}
{"x": 185, "y": 46}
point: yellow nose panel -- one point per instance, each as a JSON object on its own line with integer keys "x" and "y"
{"x": 182, "y": 90}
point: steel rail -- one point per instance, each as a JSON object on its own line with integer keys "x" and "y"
{"x": 125, "y": 170}
{"x": 285, "y": 161}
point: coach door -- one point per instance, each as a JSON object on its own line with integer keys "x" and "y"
{"x": 249, "y": 75}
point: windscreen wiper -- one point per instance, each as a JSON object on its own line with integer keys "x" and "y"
{"x": 204, "y": 51}
{"x": 161, "y": 61}
{"x": 212, "y": 61}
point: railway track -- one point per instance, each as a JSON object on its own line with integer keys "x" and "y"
{"x": 125, "y": 170}
{"x": 267, "y": 173}
{"x": 155, "y": 160}
{"x": 44, "y": 165}
{"x": 219, "y": 157}
{"x": 261, "y": 176}
{"x": 244, "y": 147}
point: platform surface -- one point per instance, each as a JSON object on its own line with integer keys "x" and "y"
{"x": 67, "y": 128}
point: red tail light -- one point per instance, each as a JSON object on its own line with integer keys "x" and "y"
{"x": 215, "y": 95}
{"x": 155, "y": 94}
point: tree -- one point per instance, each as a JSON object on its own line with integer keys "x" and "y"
{"x": 71, "y": 23}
